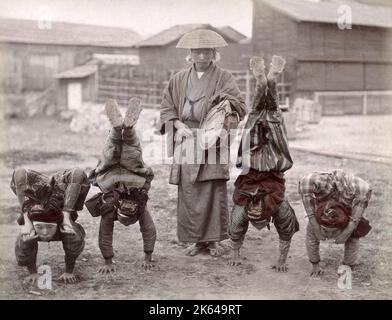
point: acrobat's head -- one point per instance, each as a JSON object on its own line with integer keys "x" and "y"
{"x": 131, "y": 205}
{"x": 44, "y": 208}
{"x": 332, "y": 214}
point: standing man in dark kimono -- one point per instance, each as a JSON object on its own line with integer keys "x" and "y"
{"x": 202, "y": 192}
{"x": 259, "y": 194}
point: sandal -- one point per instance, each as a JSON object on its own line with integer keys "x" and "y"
{"x": 215, "y": 249}
{"x": 194, "y": 249}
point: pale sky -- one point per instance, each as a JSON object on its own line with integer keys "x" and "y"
{"x": 146, "y": 17}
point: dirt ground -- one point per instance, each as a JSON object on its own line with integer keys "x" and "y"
{"x": 47, "y": 144}
{"x": 369, "y": 134}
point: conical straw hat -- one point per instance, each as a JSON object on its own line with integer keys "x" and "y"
{"x": 201, "y": 38}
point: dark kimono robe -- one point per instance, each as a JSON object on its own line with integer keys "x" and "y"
{"x": 202, "y": 192}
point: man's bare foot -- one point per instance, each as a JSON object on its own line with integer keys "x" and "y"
{"x": 215, "y": 249}
{"x": 280, "y": 267}
{"x": 195, "y": 249}
{"x": 316, "y": 271}
{"x": 235, "y": 259}
{"x": 133, "y": 112}
{"x": 107, "y": 269}
{"x": 31, "y": 278}
{"x": 257, "y": 67}
{"x": 113, "y": 113}
{"x": 67, "y": 278}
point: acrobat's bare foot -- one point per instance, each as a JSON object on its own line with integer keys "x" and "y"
{"x": 257, "y": 67}
{"x": 276, "y": 68}
{"x": 113, "y": 113}
{"x": 133, "y": 112}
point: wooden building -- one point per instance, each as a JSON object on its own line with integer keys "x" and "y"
{"x": 33, "y": 57}
{"x": 347, "y": 70}
{"x": 159, "y": 55}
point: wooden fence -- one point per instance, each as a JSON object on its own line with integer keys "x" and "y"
{"x": 150, "y": 92}
{"x": 355, "y": 102}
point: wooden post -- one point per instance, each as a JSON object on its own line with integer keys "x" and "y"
{"x": 247, "y": 87}
{"x": 364, "y": 106}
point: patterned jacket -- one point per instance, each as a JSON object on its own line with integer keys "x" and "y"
{"x": 264, "y": 145}
{"x": 350, "y": 190}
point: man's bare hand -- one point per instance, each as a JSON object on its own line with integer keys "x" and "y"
{"x": 231, "y": 122}
{"x": 68, "y": 278}
{"x": 107, "y": 269}
{"x": 316, "y": 271}
{"x": 31, "y": 278}
{"x": 181, "y": 133}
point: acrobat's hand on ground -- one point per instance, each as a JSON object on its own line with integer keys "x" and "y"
{"x": 149, "y": 262}
{"x": 107, "y": 269}
{"x": 235, "y": 261}
{"x": 280, "y": 267}
{"x": 148, "y": 265}
{"x": 68, "y": 278}
{"x": 31, "y": 278}
{"x": 316, "y": 271}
